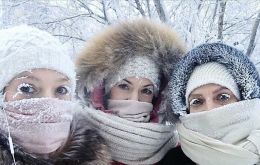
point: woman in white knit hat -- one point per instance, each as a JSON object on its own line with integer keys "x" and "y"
{"x": 214, "y": 94}
{"x": 38, "y": 122}
{"x": 123, "y": 72}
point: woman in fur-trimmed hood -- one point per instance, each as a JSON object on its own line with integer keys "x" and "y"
{"x": 124, "y": 72}
{"x": 214, "y": 95}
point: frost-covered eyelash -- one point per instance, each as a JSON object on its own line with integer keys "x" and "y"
{"x": 22, "y": 85}
{"x": 192, "y": 101}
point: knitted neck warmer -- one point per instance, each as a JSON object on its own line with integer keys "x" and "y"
{"x": 225, "y": 135}
{"x": 133, "y": 142}
{"x": 40, "y": 125}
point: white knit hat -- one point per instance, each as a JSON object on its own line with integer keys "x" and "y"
{"x": 23, "y": 48}
{"x": 214, "y": 73}
{"x": 140, "y": 66}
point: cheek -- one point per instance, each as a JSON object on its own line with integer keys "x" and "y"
{"x": 11, "y": 95}
{"x": 146, "y": 98}
{"x": 66, "y": 97}
{"x": 234, "y": 100}
{"x": 197, "y": 109}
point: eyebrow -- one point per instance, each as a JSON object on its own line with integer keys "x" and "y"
{"x": 194, "y": 95}
{"x": 149, "y": 85}
{"x": 63, "y": 79}
{"x": 29, "y": 77}
{"x": 215, "y": 91}
{"x": 219, "y": 89}
{"x": 132, "y": 83}
{"x": 127, "y": 81}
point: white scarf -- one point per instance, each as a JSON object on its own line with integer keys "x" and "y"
{"x": 131, "y": 110}
{"x": 226, "y": 135}
{"x": 134, "y": 142}
{"x": 39, "y": 125}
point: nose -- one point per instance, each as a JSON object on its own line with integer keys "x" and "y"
{"x": 134, "y": 96}
{"x": 210, "y": 104}
{"x": 48, "y": 94}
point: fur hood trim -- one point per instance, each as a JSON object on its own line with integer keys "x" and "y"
{"x": 240, "y": 67}
{"x": 106, "y": 52}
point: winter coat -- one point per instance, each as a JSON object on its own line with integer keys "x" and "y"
{"x": 177, "y": 157}
{"x": 83, "y": 147}
{"x": 109, "y": 50}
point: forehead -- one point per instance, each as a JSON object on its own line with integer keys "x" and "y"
{"x": 208, "y": 88}
{"x": 138, "y": 80}
{"x": 42, "y": 74}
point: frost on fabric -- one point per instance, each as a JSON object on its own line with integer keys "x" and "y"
{"x": 36, "y": 111}
{"x": 39, "y": 125}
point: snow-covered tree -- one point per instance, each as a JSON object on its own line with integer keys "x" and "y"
{"x": 235, "y": 22}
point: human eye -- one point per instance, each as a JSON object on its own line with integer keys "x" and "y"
{"x": 123, "y": 86}
{"x": 63, "y": 90}
{"x": 26, "y": 88}
{"x": 223, "y": 97}
{"x": 196, "y": 102}
{"x": 148, "y": 91}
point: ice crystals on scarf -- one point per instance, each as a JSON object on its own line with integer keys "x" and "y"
{"x": 40, "y": 125}
{"x": 229, "y": 134}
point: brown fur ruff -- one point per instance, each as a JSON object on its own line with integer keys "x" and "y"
{"x": 106, "y": 52}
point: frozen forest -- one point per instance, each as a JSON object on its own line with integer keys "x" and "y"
{"x": 235, "y": 22}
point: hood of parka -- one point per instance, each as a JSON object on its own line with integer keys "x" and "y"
{"x": 238, "y": 65}
{"x": 107, "y": 51}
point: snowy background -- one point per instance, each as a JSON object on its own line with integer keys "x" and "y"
{"x": 235, "y": 22}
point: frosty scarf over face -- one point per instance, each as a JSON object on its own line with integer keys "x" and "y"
{"x": 39, "y": 125}
{"x": 133, "y": 142}
{"x": 225, "y": 135}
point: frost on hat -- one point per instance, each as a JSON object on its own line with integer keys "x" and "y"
{"x": 23, "y": 48}
{"x": 211, "y": 73}
{"x": 140, "y": 66}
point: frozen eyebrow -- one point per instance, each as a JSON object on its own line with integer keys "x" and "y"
{"x": 22, "y": 77}
{"x": 28, "y": 77}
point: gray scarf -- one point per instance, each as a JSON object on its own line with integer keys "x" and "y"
{"x": 134, "y": 142}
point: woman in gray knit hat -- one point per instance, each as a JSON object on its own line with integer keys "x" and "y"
{"x": 123, "y": 72}
{"x": 214, "y": 94}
